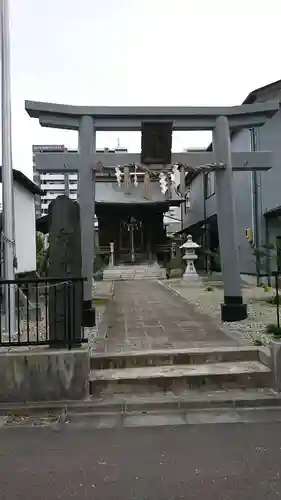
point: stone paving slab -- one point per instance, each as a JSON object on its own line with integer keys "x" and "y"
{"x": 103, "y": 289}
{"x": 144, "y": 315}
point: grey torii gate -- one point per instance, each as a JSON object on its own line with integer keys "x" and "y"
{"x": 221, "y": 120}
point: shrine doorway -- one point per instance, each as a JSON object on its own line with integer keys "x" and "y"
{"x": 132, "y": 241}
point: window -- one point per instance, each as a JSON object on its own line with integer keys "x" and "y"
{"x": 209, "y": 184}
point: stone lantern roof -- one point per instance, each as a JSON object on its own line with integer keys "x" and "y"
{"x": 189, "y": 243}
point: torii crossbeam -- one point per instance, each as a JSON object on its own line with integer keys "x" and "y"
{"x": 87, "y": 120}
{"x": 69, "y": 162}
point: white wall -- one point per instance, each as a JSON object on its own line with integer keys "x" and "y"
{"x": 25, "y": 232}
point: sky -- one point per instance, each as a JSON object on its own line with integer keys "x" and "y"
{"x": 136, "y": 52}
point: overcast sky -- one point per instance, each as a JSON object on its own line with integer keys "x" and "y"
{"x": 136, "y": 52}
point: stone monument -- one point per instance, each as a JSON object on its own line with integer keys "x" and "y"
{"x": 65, "y": 261}
{"x": 190, "y": 273}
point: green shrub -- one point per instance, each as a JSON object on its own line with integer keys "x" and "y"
{"x": 175, "y": 267}
{"x": 257, "y": 340}
{"x": 175, "y": 263}
{"x": 274, "y": 300}
{"x": 98, "y": 266}
{"x": 274, "y": 330}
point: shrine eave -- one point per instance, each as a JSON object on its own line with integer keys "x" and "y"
{"x": 130, "y": 118}
{"x": 111, "y": 194}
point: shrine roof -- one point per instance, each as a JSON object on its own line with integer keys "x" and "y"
{"x": 110, "y": 193}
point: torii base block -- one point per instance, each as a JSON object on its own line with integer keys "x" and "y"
{"x": 89, "y": 314}
{"x": 233, "y": 309}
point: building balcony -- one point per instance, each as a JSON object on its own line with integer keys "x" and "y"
{"x": 50, "y": 196}
{"x": 44, "y": 206}
{"x": 53, "y": 187}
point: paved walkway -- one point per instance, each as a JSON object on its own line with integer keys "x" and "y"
{"x": 144, "y": 315}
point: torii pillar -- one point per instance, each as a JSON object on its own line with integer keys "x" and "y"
{"x": 233, "y": 308}
{"x": 87, "y": 148}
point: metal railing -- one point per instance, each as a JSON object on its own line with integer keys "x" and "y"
{"x": 48, "y": 311}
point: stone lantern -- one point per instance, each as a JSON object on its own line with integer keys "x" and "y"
{"x": 112, "y": 253}
{"x": 190, "y": 257}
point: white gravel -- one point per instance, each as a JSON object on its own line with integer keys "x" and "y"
{"x": 260, "y": 313}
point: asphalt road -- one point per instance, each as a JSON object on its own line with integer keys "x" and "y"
{"x": 210, "y": 462}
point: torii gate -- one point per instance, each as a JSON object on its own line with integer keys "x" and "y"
{"x": 221, "y": 120}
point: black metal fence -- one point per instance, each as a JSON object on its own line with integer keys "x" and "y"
{"x": 42, "y": 311}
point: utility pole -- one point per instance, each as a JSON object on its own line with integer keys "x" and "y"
{"x": 7, "y": 169}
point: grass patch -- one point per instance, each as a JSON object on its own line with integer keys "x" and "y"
{"x": 100, "y": 302}
{"x": 258, "y": 340}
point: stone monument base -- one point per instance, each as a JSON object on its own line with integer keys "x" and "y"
{"x": 44, "y": 375}
{"x": 192, "y": 278}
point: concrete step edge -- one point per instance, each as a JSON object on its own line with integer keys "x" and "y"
{"x": 143, "y": 406}
{"x": 171, "y": 352}
{"x": 178, "y": 371}
{"x": 169, "y": 357}
{"x": 171, "y": 411}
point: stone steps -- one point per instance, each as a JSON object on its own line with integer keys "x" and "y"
{"x": 134, "y": 272}
{"x": 151, "y": 379}
{"x": 197, "y": 399}
{"x": 168, "y": 357}
{"x": 187, "y": 399}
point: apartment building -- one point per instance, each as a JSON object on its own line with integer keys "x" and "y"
{"x": 257, "y": 195}
{"x": 55, "y": 184}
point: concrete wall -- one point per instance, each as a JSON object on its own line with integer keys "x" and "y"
{"x": 25, "y": 231}
{"x": 196, "y": 211}
{"x": 44, "y": 375}
{"x": 268, "y": 189}
{"x": 242, "y": 182}
{"x": 269, "y": 139}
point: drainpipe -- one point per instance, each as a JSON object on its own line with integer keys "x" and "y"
{"x": 182, "y": 194}
{"x": 268, "y": 266}
{"x": 206, "y": 258}
{"x": 255, "y": 209}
